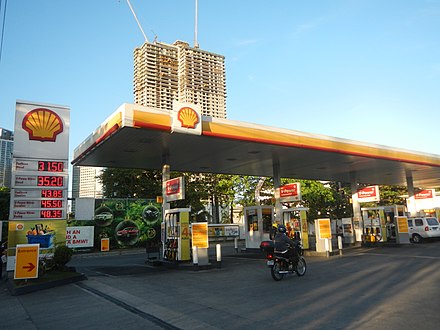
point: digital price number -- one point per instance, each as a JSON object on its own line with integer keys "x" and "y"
{"x": 50, "y": 166}
{"x": 50, "y": 181}
{"x": 40, "y": 189}
{"x": 51, "y": 204}
{"x": 51, "y": 214}
{"x": 51, "y": 193}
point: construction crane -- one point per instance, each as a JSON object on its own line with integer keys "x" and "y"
{"x": 137, "y": 21}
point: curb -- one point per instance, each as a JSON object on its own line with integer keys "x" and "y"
{"x": 16, "y": 291}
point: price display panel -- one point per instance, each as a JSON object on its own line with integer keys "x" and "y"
{"x": 33, "y": 181}
{"x": 39, "y": 193}
{"x": 40, "y": 189}
{"x": 29, "y": 165}
{"x": 38, "y": 214}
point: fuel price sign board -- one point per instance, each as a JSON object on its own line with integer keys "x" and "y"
{"x": 40, "y": 189}
{"x": 40, "y": 162}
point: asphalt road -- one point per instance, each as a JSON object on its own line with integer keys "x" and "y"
{"x": 380, "y": 288}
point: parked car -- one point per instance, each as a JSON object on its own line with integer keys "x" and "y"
{"x": 423, "y": 227}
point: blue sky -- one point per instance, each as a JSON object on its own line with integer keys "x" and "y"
{"x": 362, "y": 70}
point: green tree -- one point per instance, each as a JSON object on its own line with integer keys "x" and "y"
{"x": 5, "y": 196}
{"x": 204, "y": 188}
{"x": 246, "y": 187}
{"x": 317, "y": 196}
{"x": 131, "y": 183}
{"x": 341, "y": 206}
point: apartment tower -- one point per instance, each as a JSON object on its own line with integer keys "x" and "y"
{"x": 6, "y": 148}
{"x": 164, "y": 73}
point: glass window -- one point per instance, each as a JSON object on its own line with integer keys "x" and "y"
{"x": 410, "y": 222}
{"x": 267, "y": 223}
{"x": 252, "y": 222}
{"x": 432, "y": 221}
{"x": 418, "y": 222}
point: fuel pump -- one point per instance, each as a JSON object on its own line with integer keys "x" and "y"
{"x": 295, "y": 220}
{"x": 374, "y": 224}
{"x": 175, "y": 235}
{"x": 391, "y": 212}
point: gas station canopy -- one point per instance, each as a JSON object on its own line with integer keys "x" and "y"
{"x": 139, "y": 137}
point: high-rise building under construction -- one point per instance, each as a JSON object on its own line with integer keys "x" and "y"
{"x": 164, "y": 73}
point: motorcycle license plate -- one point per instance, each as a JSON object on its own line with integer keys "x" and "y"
{"x": 270, "y": 262}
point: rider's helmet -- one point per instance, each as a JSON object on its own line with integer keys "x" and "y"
{"x": 282, "y": 229}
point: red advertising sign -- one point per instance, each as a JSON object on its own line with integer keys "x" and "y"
{"x": 290, "y": 192}
{"x": 174, "y": 189}
{"x": 368, "y": 194}
{"x": 425, "y": 194}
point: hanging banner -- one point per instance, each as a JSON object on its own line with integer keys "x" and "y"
{"x": 368, "y": 194}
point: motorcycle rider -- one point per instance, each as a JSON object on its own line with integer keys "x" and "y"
{"x": 283, "y": 242}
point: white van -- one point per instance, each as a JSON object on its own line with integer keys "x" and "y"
{"x": 421, "y": 228}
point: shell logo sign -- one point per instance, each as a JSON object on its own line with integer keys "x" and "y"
{"x": 42, "y": 125}
{"x": 188, "y": 117}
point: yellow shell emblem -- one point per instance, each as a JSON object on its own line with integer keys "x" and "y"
{"x": 42, "y": 124}
{"x": 188, "y": 117}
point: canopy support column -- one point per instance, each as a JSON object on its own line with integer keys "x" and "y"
{"x": 277, "y": 185}
{"x": 410, "y": 186}
{"x": 357, "y": 215}
{"x": 165, "y": 177}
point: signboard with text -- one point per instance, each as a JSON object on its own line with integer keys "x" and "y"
{"x": 290, "y": 192}
{"x": 368, "y": 194}
{"x": 425, "y": 194}
{"x": 26, "y": 261}
{"x": 79, "y": 236}
{"x": 39, "y": 181}
{"x": 174, "y": 189}
{"x": 402, "y": 224}
{"x": 199, "y": 233}
{"x": 324, "y": 228}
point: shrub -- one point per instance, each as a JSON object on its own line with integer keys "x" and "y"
{"x": 62, "y": 256}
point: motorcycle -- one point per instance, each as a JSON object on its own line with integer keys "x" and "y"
{"x": 280, "y": 264}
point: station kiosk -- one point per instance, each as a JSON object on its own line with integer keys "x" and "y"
{"x": 175, "y": 235}
{"x": 258, "y": 222}
{"x": 295, "y": 220}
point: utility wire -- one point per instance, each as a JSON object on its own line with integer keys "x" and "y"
{"x": 3, "y": 27}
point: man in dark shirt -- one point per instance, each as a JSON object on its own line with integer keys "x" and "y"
{"x": 282, "y": 243}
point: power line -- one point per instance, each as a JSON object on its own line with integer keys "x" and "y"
{"x": 3, "y": 27}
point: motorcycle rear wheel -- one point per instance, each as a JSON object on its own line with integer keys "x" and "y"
{"x": 275, "y": 271}
{"x": 301, "y": 267}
